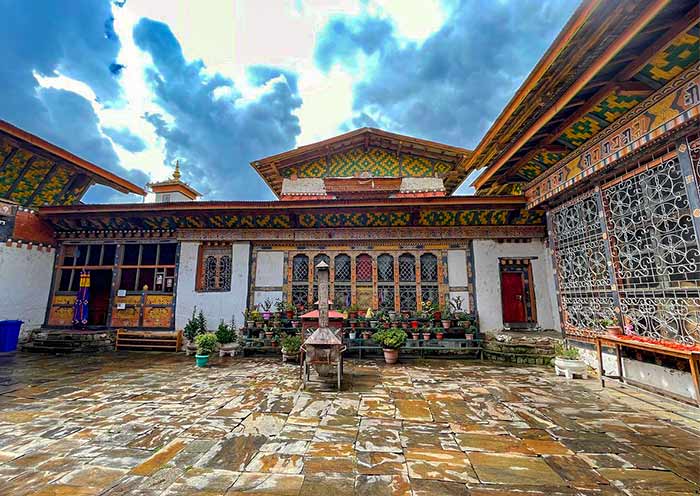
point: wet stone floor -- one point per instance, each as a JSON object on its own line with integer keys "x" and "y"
{"x": 153, "y": 424}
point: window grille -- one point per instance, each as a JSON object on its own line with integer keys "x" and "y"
{"x": 407, "y": 282}
{"x": 341, "y": 284}
{"x": 363, "y": 268}
{"x": 300, "y": 281}
{"x": 216, "y": 268}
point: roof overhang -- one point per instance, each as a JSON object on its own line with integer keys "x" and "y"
{"x": 37, "y": 151}
{"x": 600, "y": 51}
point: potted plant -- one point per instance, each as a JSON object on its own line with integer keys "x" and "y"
{"x": 390, "y": 340}
{"x": 426, "y": 333}
{"x": 289, "y": 309}
{"x": 206, "y": 345}
{"x": 266, "y": 309}
{"x": 191, "y": 331}
{"x": 352, "y": 312}
{"x": 290, "y": 348}
{"x": 248, "y": 319}
{"x": 352, "y": 333}
{"x": 431, "y": 310}
{"x": 279, "y": 309}
{"x": 415, "y": 334}
{"x": 567, "y": 361}
{"x": 226, "y": 336}
{"x": 469, "y": 332}
{"x": 269, "y": 332}
{"x": 439, "y": 334}
{"x": 366, "y": 334}
{"x": 446, "y": 317}
{"x": 612, "y": 328}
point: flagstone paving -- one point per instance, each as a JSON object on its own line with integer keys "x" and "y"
{"x": 148, "y": 424}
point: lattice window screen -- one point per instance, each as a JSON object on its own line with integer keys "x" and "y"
{"x": 656, "y": 253}
{"x": 580, "y": 254}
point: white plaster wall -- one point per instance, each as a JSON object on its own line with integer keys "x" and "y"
{"x": 269, "y": 269}
{"x": 457, "y": 268}
{"x": 674, "y": 381}
{"x": 488, "y": 285}
{"x": 217, "y": 305}
{"x": 25, "y": 281}
{"x": 457, "y": 276}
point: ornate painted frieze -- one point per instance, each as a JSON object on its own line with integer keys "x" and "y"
{"x": 672, "y": 106}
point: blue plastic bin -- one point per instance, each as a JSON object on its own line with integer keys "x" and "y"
{"x": 9, "y": 334}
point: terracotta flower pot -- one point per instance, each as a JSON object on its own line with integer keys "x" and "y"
{"x": 446, "y": 324}
{"x": 426, "y": 336}
{"x": 614, "y": 330}
{"x": 439, "y": 335}
{"x": 391, "y": 356}
{"x": 415, "y": 335}
{"x": 290, "y": 314}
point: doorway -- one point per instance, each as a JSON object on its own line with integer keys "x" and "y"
{"x": 517, "y": 293}
{"x": 98, "y": 302}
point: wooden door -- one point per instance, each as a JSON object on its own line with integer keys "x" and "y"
{"x": 513, "y": 297}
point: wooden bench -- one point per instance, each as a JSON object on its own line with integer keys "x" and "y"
{"x": 149, "y": 340}
{"x": 617, "y": 344}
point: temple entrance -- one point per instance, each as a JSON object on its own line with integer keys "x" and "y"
{"x": 98, "y": 302}
{"x": 517, "y": 294}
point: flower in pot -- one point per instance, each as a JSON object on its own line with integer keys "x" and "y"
{"x": 426, "y": 333}
{"x": 206, "y": 345}
{"x": 279, "y": 309}
{"x": 446, "y": 317}
{"x": 290, "y": 347}
{"x": 390, "y": 340}
{"x": 567, "y": 361}
{"x": 267, "y": 309}
{"x": 405, "y": 325}
{"x": 248, "y": 318}
{"x": 415, "y": 334}
{"x": 353, "y": 311}
{"x": 611, "y": 327}
{"x": 289, "y": 311}
{"x": 269, "y": 332}
{"x": 432, "y": 310}
{"x": 414, "y": 324}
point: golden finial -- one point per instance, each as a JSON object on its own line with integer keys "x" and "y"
{"x": 176, "y": 174}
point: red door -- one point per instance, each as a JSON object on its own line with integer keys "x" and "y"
{"x": 513, "y": 297}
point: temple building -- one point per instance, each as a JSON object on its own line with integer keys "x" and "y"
{"x": 586, "y": 211}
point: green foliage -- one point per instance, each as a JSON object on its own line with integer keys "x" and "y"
{"x": 267, "y": 305}
{"x": 201, "y": 322}
{"x": 206, "y": 343}
{"x": 607, "y": 322}
{"x": 192, "y": 327}
{"x": 561, "y": 350}
{"x": 291, "y": 344}
{"x": 393, "y": 338}
{"x": 225, "y": 333}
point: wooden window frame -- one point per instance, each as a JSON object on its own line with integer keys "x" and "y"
{"x": 223, "y": 250}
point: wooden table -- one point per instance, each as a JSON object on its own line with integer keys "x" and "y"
{"x": 616, "y": 343}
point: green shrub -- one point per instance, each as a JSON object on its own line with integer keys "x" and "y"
{"x": 561, "y": 350}
{"x": 192, "y": 327}
{"x": 201, "y": 322}
{"x": 206, "y": 343}
{"x": 291, "y": 344}
{"x": 393, "y": 338}
{"x": 225, "y": 333}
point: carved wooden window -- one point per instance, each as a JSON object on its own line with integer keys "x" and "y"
{"x": 341, "y": 281}
{"x": 147, "y": 267}
{"x": 363, "y": 266}
{"x": 215, "y": 268}
{"x": 407, "y": 282}
{"x": 385, "y": 282}
{"x": 300, "y": 281}
{"x": 429, "y": 278}
{"x": 363, "y": 276}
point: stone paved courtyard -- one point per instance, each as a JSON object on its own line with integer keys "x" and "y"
{"x": 153, "y": 424}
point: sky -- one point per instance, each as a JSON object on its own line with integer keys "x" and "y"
{"x": 135, "y": 85}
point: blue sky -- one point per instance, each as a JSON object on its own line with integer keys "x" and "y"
{"x": 135, "y": 85}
